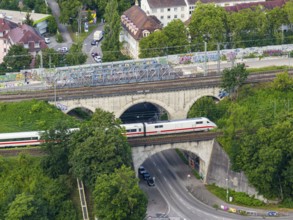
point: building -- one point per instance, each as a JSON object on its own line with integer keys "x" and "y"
{"x": 12, "y": 33}
{"x": 167, "y": 10}
{"x": 136, "y": 25}
{"x": 18, "y": 17}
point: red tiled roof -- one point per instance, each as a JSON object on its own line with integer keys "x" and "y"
{"x": 268, "y": 5}
{"x": 136, "y": 19}
{"x": 27, "y": 35}
{"x": 166, "y": 3}
{"x": 6, "y": 25}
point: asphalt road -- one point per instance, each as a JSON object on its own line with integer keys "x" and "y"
{"x": 171, "y": 197}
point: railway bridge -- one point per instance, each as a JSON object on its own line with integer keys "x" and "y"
{"x": 213, "y": 163}
{"x": 176, "y": 103}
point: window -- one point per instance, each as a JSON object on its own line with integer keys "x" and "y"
{"x": 131, "y": 130}
{"x": 4, "y": 50}
{"x": 190, "y": 12}
{"x": 182, "y": 8}
{"x": 162, "y": 10}
{"x": 198, "y": 122}
{"x": 145, "y": 33}
{"x": 162, "y": 17}
{"x": 168, "y": 9}
{"x": 182, "y": 15}
{"x": 154, "y": 10}
{"x": 158, "y": 126}
{"x": 169, "y": 16}
{"x": 175, "y": 16}
{"x": 4, "y": 41}
{"x": 175, "y": 9}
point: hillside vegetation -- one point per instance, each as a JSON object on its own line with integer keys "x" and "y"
{"x": 31, "y": 115}
{"x": 258, "y": 134}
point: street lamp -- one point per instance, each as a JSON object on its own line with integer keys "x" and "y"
{"x": 227, "y": 196}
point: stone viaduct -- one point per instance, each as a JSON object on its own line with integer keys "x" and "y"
{"x": 175, "y": 103}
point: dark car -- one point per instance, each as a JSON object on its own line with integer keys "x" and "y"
{"x": 146, "y": 175}
{"x": 150, "y": 181}
{"x": 272, "y": 213}
{"x": 95, "y": 54}
{"x": 141, "y": 170}
{"x": 94, "y": 42}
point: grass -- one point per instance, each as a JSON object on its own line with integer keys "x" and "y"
{"x": 268, "y": 68}
{"x": 31, "y": 115}
{"x": 181, "y": 156}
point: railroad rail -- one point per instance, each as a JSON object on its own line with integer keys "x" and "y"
{"x": 133, "y": 142}
{"x": 134, "y": 88}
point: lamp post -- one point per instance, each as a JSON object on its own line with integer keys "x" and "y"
{"x": 227, "y": 196}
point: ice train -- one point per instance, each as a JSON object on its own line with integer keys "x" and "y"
{"x": 142, "y": 129}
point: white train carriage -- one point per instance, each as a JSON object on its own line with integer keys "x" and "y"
{"x": 179, "y": 126}
{"x": 20, "y": 139}
{"x": 134, "y": 130}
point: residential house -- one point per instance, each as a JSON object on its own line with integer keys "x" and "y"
{"x": 167, "y": 10}
{"x": 12, "y": 33}
{"x": 136, "y": 25}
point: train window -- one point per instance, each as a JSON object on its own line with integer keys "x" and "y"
{"x": 139, "y": 129}
{"x": 19, "y": 139}
{"x": 208, "y": 121}
{"x": 199, "y": 122}
{"x": 131, "y": 130}
{"x": 158, "y": 126}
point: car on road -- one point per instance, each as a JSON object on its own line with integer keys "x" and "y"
{"x": 94, "y": 42}
{"x": 146, "y": 175}
{"x": 95, "y": 54}
{"x": 151, "y": 181}
{"x": 98, "y": 59}
{"x": 272, "y": 213}
{"x": 141, "y": 170}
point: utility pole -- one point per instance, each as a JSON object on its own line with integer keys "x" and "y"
{"x": 219, "y": 59}
{"x": 205, "y": 58}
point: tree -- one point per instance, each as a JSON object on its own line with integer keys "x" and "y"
{"x": 111, "y": 45}
{"x": 17, "y": 58}
{"x": 177, "y": 36}
{"x": 123, "y": 5}
{"x": 57, "y": 150}
{"x": 153, "y": 45}
{"x": 208, "y": 23}
{"x": 21, "y": 208}
{"x": 118, "y": 196}
{"x": 283, "y": 82}
{"x": 28, "y": 20}
{"x": 69, "y": 11}
{"x": 75, "y": 55}
{"x": 50, "y": 58}
{"x": 233, "y": 78}
{"x": 52, "y": 25}
{"x": 99, "y": 147}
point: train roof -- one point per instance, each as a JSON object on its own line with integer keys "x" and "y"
{"x": 19, "y": 134}
{"x": 178, "y": 120}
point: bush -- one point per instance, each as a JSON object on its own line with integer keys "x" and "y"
{"x": 59, "y": 38}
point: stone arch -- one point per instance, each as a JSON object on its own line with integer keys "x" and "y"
{"x": 169, "y": 110}
{"x": 80, "y": 106}
{"x": 203, "y": 149}
{"x": 193, "y": 100}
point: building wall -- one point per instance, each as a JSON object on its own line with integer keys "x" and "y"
{"x": 130, "y": 44}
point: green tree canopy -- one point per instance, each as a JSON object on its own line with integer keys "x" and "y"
{"x": 177, "y": 36}
{"x": 17, "y": 58}
{"x": 75, "y": 56}
{"x": 118, "y": 196}
{"x": 99, "y": 147}
{"x": 153, "y": 45}
{"x": 111, "y": 45}
{"x": 208, "y": 23}
{"x": 283, "y": 82}
{"x": 233, "y": 78}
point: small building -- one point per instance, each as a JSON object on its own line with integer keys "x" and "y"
{"x": 136, "y": 25}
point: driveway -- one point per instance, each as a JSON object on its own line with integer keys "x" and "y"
{"x": 61, "y": 27}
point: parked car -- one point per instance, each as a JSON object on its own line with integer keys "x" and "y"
{"x": 151, "y": 181}
{"x": 141, "y": 170}
{"x": 95, "y": 54}
{"x": 62, "y": 49}
{"x": 47, "y": 40}
{"x": 94, "y": 42}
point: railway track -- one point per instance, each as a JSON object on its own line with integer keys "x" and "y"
{"x": 134, "y": 88}
{"x": 133, "y": 142}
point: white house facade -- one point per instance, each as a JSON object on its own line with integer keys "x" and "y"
{"x": 167, "y": 10}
